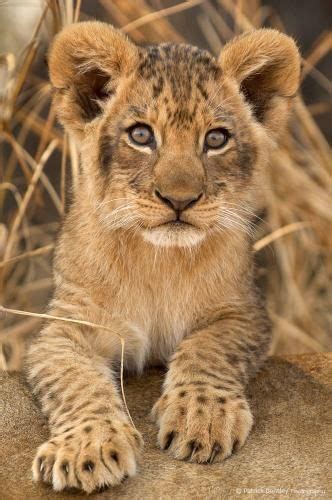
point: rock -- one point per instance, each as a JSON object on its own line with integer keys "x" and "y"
{"x": 288, "y": 454}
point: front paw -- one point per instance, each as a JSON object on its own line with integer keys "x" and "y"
{"x": 202, "y": 425}
{"x": 91, "y": 456}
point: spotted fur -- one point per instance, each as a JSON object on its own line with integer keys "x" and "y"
{"x": 156, "y": 246}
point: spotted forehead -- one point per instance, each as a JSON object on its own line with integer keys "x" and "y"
{"x": 182, "y": 68}
{"x": 179, "y": 75}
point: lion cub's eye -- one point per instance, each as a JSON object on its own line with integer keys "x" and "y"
{"x": 142, "y": 135}
{"x": 216, "y": 138}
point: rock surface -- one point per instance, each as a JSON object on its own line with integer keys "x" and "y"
{"x": 288, "y": 454}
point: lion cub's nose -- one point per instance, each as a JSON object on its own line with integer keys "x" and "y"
{"x": 176, "y": 203}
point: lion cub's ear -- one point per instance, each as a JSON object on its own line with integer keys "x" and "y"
{"x": 266, "y": 65}
{"x": 86, "y": 62}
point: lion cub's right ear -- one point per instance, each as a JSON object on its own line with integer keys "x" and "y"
{"x": 86, "y": 62}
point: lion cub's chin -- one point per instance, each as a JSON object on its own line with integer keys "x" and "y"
{"x": 174, "y": 236}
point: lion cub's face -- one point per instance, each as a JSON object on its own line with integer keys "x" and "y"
{"x": 171, "y": 139}
{"x": 177, "y": 149}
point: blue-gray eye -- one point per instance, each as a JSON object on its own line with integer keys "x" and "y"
{"x": 216, "y": 138}
{"x": 141, "y": 135}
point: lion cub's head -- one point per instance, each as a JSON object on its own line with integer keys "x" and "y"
{"x": 172, "y": 140}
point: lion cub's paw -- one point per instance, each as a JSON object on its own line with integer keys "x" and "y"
{"x": 91, "y": 456}
{"x": 202, "y": 426}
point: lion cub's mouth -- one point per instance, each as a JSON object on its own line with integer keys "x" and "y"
{"x": 174, "y": 233}
{"x": 178, "y": 223}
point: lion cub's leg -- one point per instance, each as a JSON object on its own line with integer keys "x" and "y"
{"x": 203, "y": 414}
{"x": 92, "y": 443}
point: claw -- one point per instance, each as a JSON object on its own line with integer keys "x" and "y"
{"x": 169, "y": 439}
{"x": 41, "y": 464}
{"x": 195, "y": 446}
{"x": 65, "y": 467}
{"x": 236, "y": 446}
{"x": 215, "y": 451}
{"x": 88, "y": 465}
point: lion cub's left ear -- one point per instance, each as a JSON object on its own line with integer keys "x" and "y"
{"x": 266, "y": 65}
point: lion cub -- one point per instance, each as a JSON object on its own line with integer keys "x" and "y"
{"x": 157, "y": 245}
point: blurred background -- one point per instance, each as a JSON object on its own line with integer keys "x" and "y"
{"x": 39, "y": 163}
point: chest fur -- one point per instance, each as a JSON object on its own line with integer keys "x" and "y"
{"x": 165, "y": 306}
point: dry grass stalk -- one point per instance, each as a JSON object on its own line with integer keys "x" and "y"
{"x": 155, "y": 16}
{"x": 27, "y": 197}
{"x": 278, "y": 233}
{"x": 33, "y": 253}
{"x": 297, "y": 267}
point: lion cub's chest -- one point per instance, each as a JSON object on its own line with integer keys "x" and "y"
{"x": 163, "y": 311}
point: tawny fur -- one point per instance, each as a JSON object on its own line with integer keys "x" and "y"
{"x": 179, "y": 294}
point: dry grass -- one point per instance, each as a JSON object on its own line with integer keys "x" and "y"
{"x": 294, "y": 241}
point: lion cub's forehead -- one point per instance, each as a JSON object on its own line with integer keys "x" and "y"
{"x": 182, "y": 72}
